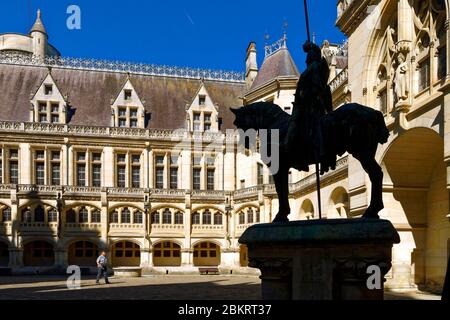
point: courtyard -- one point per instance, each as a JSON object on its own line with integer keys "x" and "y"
{"x": 171, "y": 287}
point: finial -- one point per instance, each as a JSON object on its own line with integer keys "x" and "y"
{"x": 314, "y": 37}
{"x": 39, "y": 13}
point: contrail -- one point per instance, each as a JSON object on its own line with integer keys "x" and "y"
{"x": 189, "y": 17}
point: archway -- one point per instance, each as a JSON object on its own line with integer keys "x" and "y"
{"x": 83, "y": 253}
{"x": 307, "y": 210}
{"x": 126, "y": 254}
{"x": 206, "y": 254}
{"x": 416, "y": 201}
{"x": 38, "y": 254}
{"x": 338, "y": 204}
{"x": 166, "y": 254}
{"x": 243, "y": 255}
{"x": 4, "y": 254}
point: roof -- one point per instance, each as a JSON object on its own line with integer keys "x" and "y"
{"x": 90, "y": 93}
{"x": 38, "y": 25}
{"x": 278, "y": 64}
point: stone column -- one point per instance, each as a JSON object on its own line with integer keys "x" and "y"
{"x": 104, "y": 220}
{"x": 61, "y": 259}
{"x": 187, "y": 257}
{"x": 187, "y": 251}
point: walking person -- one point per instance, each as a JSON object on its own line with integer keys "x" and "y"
{"x": 102, "y": 267}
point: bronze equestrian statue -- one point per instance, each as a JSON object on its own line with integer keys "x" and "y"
{"x": 316, "y": 134}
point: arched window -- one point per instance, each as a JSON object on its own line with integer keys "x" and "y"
{"x": 70, "y": 216}
{"x": 83, "y": 215}
{"x": 39, "y": 214}
{"x": 241, "y": 218}
{"x": 52, "y": 215}
{"x": 167, "y": 216}
{"x": 196, "y": 218}
{"x": 155, "y": 218}
{"x": 179, "y": 218}
{"x": 257, "y": 216}
{"x": 137, "y": 217}
{"x": 114, "y": 217}
{"x": 95, "y": 216}
{"x": 6, "y": 215}
{"x": 126, "y": 216}
{"x": 26, "y": 215}
{"x": 218, "y": 218}
{"x": 207, "y": 217}
{"x": 249, "y": 216}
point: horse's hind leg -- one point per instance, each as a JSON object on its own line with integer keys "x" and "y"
{"x": 282, "y": 186}
{"x": 375, "y": 173}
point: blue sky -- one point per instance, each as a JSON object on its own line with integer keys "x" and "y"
{"x": 198, "y": 33}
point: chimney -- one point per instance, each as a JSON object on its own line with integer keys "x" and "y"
{"x": 251, "y": 66}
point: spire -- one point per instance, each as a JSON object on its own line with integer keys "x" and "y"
{"x": 38, "y": 25}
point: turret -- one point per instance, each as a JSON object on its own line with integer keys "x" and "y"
{"x": 40, "y": 37}
{"x": 251, "y": 65}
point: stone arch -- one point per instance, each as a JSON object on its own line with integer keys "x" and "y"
{"x": 5, "y": 213}
{"x": 159, "y": 212}
{"x": 416, "y": 199}
{"x": 83, "y": 252}
{"x": 246, "y": 211}
{"x": 166, "y": 253}
{"x": 125, "y": 253}
{"x": 4, "y": 253}
{"x": 206, "y": 253}
{"x": 126, "y": 214}
{"x": 338, "y": 203}
{"x": 34, "y": 205}
{"x": 38, "y": 253}
{"x": 306, "y": 210}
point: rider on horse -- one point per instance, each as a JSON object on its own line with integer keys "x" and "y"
{"x": 312, "y": 102}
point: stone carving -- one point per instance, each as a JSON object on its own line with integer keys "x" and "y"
{"x": 401, "y": 79}
{"x": 272, "y": 267}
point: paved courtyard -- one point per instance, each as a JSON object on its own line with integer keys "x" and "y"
{"x": 154, "y": 287}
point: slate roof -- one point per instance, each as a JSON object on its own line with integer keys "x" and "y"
{"x": 278, "y": 64}
{"x": 90, "y": 93}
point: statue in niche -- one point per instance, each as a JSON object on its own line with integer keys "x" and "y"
{"x": 401, "y": 79}
{"x": 327, "y": 53}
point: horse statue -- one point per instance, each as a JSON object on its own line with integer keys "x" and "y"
{"x": 351, "y": 128}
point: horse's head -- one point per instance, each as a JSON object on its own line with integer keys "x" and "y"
{"x": 242, "y": 118}
{"x": 259, "y": 115}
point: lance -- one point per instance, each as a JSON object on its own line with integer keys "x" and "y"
{"x": 317, "y": 164}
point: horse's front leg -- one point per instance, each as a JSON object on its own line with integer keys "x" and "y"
{"x": 282, "y": 186}
{"x": 375, "y": 173}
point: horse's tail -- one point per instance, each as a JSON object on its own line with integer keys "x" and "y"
{"x": 382, "y": 130}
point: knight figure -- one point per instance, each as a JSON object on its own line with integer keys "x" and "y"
{"x": 312, "y": 102}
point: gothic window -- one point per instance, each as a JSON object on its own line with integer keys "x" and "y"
{"x": 218, "y": 219}
{"x": 207, "y": 217}
{"x": 52, "y": 215}
{"x": 70, "y": 216}
{"x": 196, "y": 218}
{"x": 95, "y": 216}
{"x": 179, "y": 218}
{"x": 155, "y": 218}
{"x": 83, "y": 215}
{"x": 167, "y": 216}
{"x": 126, "y": 216}
{"x": 114, "y": 217}
{"x": 137, "y": 217}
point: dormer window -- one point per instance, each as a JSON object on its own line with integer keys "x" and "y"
{"x": 48, "y": 104}
{"x": 48, "y": 89}
{"x": 202, "y": 114}
{"x": 201, "y": 100}
{"x": 127, "y": 109}
{"x": 127, "y": 94}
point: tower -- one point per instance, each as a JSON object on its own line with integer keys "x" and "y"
{"x": 251, "y": 65}
{"x": 40, "y": 37}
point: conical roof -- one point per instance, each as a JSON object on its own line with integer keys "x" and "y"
{"x": 38, "y": 25}
{"x": 278, "y": 64}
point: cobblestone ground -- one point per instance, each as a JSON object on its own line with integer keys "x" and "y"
{"x": 154, "y": 287}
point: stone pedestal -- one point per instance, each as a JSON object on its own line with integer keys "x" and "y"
{"x": 322, "y": 259}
